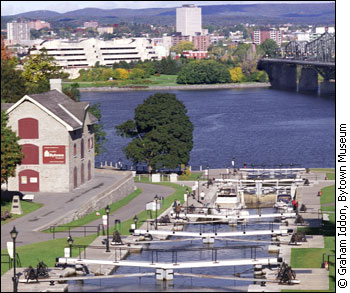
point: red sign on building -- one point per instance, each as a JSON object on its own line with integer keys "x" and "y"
{"x": 54, "y": 154}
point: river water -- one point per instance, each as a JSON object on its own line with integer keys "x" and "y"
{"x": 231, "y": 249}
{"x": 256, "y": 126}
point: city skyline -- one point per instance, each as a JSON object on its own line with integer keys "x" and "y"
{"x": 15, "y": 7}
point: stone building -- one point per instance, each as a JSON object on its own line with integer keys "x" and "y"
{"x": 57, "y": 140}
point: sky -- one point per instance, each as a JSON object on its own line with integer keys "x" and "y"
{"x": 15, "y": 7}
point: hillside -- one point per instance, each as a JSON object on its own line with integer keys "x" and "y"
{"x": 310, "y": 13}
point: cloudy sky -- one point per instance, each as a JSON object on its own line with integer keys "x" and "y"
{"x": 15, "y": 7}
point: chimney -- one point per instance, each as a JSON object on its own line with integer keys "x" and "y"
{"x": 56, "y": 84}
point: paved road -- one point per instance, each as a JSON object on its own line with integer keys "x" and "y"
{"x": 56, "y": 204}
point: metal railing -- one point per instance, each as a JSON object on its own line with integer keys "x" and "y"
{"x": 72, "y": 229}
{"x": 9, "y": 260}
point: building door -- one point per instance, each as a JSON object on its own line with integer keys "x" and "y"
{"x": 28, "y": 180}
{"x": 75, "y": 177}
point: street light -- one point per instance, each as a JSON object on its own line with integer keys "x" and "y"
{"x": 233, "y": 164}
{"x": 107, "y": 209}
{"x": 198, "y": 188}
{"x": 14, "y": 234}
{"x": 208, "y": 175}
{"x": 156, "y": 199}
{"x": 135, "y": 221}
{"x": 188, "y": 194}
{"x": 70, "y": 243}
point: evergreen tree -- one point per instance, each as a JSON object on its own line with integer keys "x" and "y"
{"x": 161, "y": 133}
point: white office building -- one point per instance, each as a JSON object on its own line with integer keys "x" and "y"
{"x": 18, "y": 31}
{"x": 86, "y": 53}
{"x": 189, "y": 20}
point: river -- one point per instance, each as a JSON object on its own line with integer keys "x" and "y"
{"x": 256, "y": 126}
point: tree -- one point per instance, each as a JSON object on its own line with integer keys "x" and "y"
{"x": 269, "y": 46}
{"x": 11, "y": 151}
{"x": 236, "y": 74}
{"x": 12, "y": 83}
{"x": 203, "y": 72}
{"x": 182, "y": 46}
{"x": 123, "y": 73}
{"x": 100, "y": 134}
{"x": 38, "y": 69}
{"x": 161, "y": 133}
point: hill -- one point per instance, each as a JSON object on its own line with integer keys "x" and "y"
{"x": 310, "y": 13}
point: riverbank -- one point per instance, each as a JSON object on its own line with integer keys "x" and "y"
{"x": 178, "y": 87}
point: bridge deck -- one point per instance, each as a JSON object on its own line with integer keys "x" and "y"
{"x": 300, "y": 62}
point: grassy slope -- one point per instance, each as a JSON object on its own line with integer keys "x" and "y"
{"x": 27, "y": 207}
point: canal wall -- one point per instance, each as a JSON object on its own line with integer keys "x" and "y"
{"x": 178, "y": 87}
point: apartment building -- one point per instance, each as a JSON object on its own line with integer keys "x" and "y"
{"x": 188, "y": 20}
{"x": 259, "y": 36}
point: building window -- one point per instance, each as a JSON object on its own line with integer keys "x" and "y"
{"x": 82, "y": 148}
{"x": 89, "y": 170}
{"x": 75, "y": 177}
{"x": 31, "y": 154}
{"x": 89, "y": 144}
{"x": 75, "y": 150}
{"x": 28, "y": 128}
{"x": 82, "y": 173}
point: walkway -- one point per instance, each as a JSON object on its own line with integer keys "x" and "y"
{"x": 56, "y": 204}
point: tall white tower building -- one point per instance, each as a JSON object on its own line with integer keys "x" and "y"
{"x": 18, "y": 31}
{"x": 189, "y": 20}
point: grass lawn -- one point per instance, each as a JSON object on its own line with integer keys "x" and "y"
{"x": 46, "y": 251}
{"x": 27, "y": 207}
{"x": 163, "y": 80}
{"x": 330, "y": 172}
{"x": 328, "y": 195}
{"x": 92, "y": 216}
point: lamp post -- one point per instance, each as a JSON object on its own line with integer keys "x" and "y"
{"x": 135, "y": 221}
{"x": 120, "y": 165}
{"x": 70, "y": 243}
{"x": 208, "y": 175}
{"x": 198, "y": 188}
{"x": 188, "y": 194}
{"x": 14, "y": 234}
{"x": 156, "y": 199}
{"x": 107, "y": 209}
{"x": 233, "y": 164}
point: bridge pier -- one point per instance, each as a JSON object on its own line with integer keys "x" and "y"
{"x": 281, "y": 76}
{"x": 308, "y": 81}
{"x": 327, "y": 88}
{"x": 288, "y": 78}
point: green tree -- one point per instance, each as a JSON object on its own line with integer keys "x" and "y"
{"x": 203, "y": 72}
{"x": 38, "y": 69}
{"x": 12, "y": 83}
{"x": 11, "y": 151}
{"x": 100, "y": 134}
{"x": 269, "y": 46}
{"x": 161, "y": 133}
{"x": 182, "y": 46}
{"x": 236, "y": 74}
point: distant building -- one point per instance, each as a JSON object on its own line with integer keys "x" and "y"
{"x": 57, "y": 139}
{"x": 92, "y": 24}
{"x": 189, "y": 20}
{"x": 39, "y": 24}
{"x": 201, "y": 43}
{"x": 85, "y": 53}
{"x": 195, "y": 54}
{"x": 103, "y": 30}
{"x": 216, "y": 39}
{"x": 180, "y": 38}
{"x": 259, "y": 36}
{"x": 323, "y": 29}
{"x": 18, "y": 31}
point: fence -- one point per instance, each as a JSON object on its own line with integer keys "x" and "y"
{"x": 9, "y": 261}
{"x": 85, "y": 230}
